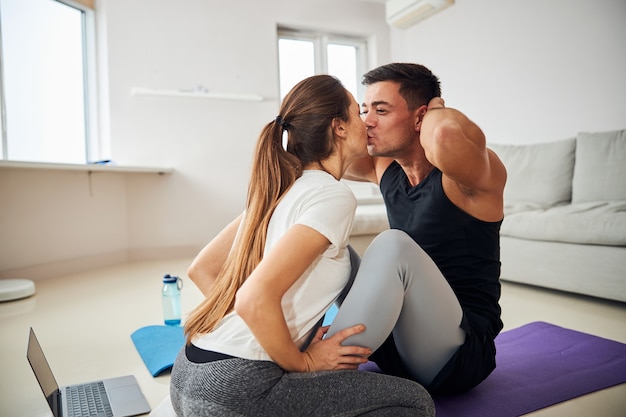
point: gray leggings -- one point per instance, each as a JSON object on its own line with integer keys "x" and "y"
{"x": 242, "y": 387}
{"x": 399, "y": 288}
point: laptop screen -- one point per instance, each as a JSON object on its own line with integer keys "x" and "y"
{"x": 42, "y": 370}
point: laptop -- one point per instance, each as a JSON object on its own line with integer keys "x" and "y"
{"x": 114, "y": 397}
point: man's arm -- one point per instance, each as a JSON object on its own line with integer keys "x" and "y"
{"x": 368, "y": 168}
{"x": 457, "y": 146}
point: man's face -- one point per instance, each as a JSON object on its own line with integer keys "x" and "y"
{"x": 391, "y": 127}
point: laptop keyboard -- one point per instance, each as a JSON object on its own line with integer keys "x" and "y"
{"x": 88, "y": 400}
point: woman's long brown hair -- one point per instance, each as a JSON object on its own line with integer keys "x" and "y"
{"x": 306, "y": 115}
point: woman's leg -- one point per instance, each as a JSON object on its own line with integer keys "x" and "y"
{"x": 347, "y": 393}
{"x": 399, "y": 288}
{"x": 239, "y": 387}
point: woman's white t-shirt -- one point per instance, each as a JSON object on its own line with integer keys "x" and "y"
{"x": 319, "y": 201}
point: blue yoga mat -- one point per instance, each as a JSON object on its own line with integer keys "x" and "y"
{"x": 158, "y": 346}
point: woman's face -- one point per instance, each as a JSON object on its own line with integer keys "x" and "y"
{"x": 356, "y": 131}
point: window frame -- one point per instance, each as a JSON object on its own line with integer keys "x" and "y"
{"x": 94, "y": 148}
{"x": 321, "y": 40}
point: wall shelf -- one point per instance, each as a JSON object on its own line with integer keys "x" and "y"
{"x": 197, "y": 94}
{"x": 85, "y": 167}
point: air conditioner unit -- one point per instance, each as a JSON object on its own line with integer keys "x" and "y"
{"x": 405, "y": 13}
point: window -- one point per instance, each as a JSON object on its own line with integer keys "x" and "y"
{"x": 48, "y": 102}
{"x": 302, "y": 54}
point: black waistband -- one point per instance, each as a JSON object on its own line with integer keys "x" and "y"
{"x": 197, "y": 355}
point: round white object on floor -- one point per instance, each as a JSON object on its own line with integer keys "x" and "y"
{"x": 14, "y": 289}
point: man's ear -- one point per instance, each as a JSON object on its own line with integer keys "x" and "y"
{"x": 419, "y": 116}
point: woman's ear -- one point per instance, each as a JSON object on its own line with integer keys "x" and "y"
{"x": 339, "y": 127}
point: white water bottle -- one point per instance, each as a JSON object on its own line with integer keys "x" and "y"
{"x": 170, "y": 296}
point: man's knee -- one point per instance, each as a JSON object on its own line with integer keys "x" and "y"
{"x": 392, "y": 242}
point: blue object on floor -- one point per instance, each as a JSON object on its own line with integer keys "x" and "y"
{"x": 158, "y": 346}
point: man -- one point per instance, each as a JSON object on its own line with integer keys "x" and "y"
{"x": 435, "y": 279}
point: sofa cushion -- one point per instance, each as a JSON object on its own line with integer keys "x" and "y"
{"x": 600, "y": 169}
{"x": 594, "y": 223}
{"x": 365, "y": 192}
{"x": 538, "y": 174}
{"x": 369, "y": 219}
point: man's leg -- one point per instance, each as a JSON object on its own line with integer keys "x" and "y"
{"x": 399, "y": 288}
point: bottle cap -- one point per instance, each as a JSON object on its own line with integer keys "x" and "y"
{"x": 168, "y": 279}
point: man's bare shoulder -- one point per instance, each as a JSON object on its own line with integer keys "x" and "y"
{"x": 380, "y": 166}
{"x": 368, "y": 169}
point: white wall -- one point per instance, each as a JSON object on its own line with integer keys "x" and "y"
{"x": 53, "y": 222}
{"x": 527, "y": 70}
{"x": 50, "y": 220}
{"x": 225, "y": 47}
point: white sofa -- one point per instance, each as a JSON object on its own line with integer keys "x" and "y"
{"x": 371, "y": 216}
{"x": 565, "y": 214}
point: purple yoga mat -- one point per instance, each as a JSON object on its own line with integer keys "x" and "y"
{"x": 539, "y": 365}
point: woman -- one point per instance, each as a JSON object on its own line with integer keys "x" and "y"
{"x": 254, "y": 346}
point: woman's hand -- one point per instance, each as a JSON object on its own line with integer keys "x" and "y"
{"x": 326, "y": 354}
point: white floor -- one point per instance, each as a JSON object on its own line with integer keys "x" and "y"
{"x": 84, "y": 322}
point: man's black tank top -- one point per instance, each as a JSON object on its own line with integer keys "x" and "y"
{"x": 467, "y": 252}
